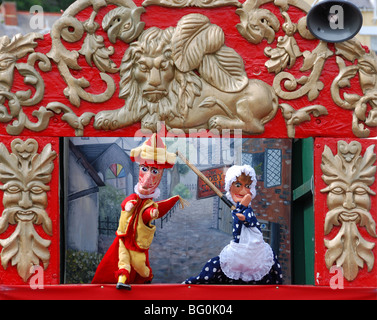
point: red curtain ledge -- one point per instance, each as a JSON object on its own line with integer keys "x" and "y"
{"x": 184, "y": 292}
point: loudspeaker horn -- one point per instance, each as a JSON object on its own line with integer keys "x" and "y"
{"x": 334, "y": 21}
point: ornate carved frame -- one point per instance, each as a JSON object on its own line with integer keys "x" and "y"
{"x": 204, "y": 74}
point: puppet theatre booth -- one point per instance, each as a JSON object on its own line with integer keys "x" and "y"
{"x": 118, "y": 129}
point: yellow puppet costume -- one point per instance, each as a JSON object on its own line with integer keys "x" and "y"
{"x": 127, "y": 257}
{"x": 131, "y": 249}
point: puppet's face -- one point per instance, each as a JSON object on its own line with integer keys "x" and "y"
{"x": 149, "y": 179}
{"x": 240, "y": 187}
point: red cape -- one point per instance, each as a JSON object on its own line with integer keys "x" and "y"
{"x": 106, "y": 270}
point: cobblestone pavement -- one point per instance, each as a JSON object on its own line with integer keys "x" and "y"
{"x": 185, "y": 243}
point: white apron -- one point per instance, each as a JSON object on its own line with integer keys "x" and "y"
{"x": 250, "y": 259}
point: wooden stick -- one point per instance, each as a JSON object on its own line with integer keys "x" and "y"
{"x": 206, "y": 181}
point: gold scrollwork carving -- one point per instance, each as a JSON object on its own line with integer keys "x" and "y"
{"x": 122, "y": 22}
{"x": 311, "y": 85}
{"x": 202, "y": 75}
{"x": 25, "y": 175}
{"x": 287, "y": 51}
{"x": 364, "y": 107}
{"x": 10, "y": 51}
{"x": 295, "y": 117}
{"x": 258, "y": 24}
{"x": 71, "y": 30}
{"x": 348, "y": 175}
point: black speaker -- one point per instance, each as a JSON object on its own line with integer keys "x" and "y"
{"x": 334, "y": 21}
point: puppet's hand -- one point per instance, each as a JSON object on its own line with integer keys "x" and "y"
{"x": 128, "y": 207}
{"x": 245, "y": 202}
{"x": 154, "y": 213}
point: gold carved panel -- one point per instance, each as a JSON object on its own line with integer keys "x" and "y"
{"x": 349, "y": 175}
{"x": 25, "y": 175}
{"x": 202, "y": 82}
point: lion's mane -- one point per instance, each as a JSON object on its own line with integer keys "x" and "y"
{"x": 181, "y": 92}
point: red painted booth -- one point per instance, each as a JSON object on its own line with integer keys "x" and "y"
{"x": 226, "y": 82}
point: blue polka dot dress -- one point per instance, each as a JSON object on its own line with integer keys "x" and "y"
{"x": 246, "y": 260}
{"x": 250, "y": 221}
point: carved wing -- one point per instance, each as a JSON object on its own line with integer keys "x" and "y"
{"x": 224, "y": 70}
{"x": 198, "y": 44}
{"x": 193, "y": 38}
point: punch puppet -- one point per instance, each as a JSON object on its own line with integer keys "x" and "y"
{"x": 247, "y": 259}
{"x": 126, "y": 261}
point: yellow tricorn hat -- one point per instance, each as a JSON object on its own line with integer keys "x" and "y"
{"x": 153, "y": 153}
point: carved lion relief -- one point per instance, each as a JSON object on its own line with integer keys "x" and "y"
{"x": 25, "y": 175}
{"x": 348, "y": 175}
{"x": 158, "y": 82}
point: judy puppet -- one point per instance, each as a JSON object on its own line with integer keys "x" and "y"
{"x": 247, "y": 259}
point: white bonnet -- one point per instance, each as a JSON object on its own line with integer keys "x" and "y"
{"x": 234, "y": 172}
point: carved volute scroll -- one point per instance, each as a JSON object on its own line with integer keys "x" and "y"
{"x": 25, "y": 175}
{"x": 364, "y": 107}
{"x": 11, "y": 50}
{"x": 349, "y": 176}
{"x": 122, "y": 22}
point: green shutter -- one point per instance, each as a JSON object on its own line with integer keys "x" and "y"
{"x": 303, "y": 212}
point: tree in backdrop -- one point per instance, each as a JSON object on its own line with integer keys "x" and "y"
{"x": 110, "y": 200}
